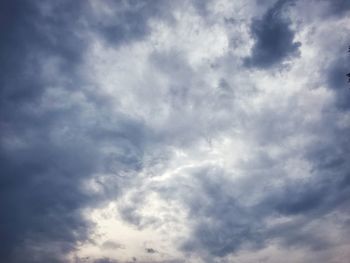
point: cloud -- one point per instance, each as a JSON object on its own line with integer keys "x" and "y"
{"x": 274, "y": 39}
{"x": 49, "y": 147}
{"x": 337, "y": 7}
{"x": 337, "y": 80}
{"x": 150, "y": 250}
{"x": 40, "y": 173}
{"x": 112, "y": 245}
{"x": 105, "y": 260}
{"x": 119, "y": 22}
{"x": 225, "y": 222}
{"x": 135, "y": 123}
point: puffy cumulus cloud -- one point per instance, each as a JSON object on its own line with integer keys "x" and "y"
{"x": 133, "y": 131}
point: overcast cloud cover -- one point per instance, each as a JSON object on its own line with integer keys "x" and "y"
{"x": 174, "y": 131}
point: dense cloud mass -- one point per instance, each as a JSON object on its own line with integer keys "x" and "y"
{"x": 174, "y": 131}
{"x": 274, "y": 39}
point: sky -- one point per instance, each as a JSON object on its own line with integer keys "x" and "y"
{"x": 196, "y": 131}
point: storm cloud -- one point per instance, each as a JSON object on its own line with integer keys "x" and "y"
{"x": 174, "y": 131}
{"x": 274, "y": 38}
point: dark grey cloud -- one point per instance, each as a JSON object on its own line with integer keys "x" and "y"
{"x": 337, "y": 80}
{"x": 225, "y": 224}
{"x": 150, "y": 250}
{"x": 273, "y": 38}
{"x": 57, "y": 134}
{"x": 337, "y": 7}
{"x": 39, "y": 193}
{"x": 48, "y": 152}
{"x": 26, "y": 34}
{"x": 229, "y": 215}
{"x": 222, "y": 224}
{"x": 129, "y": 20}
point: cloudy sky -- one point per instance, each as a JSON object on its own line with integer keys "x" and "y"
{"x": 174, "y": 131}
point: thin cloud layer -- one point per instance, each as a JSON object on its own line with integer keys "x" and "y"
{"x": 154, "y": 131}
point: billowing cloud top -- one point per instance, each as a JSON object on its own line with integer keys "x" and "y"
{"x": 174, "y": 131}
